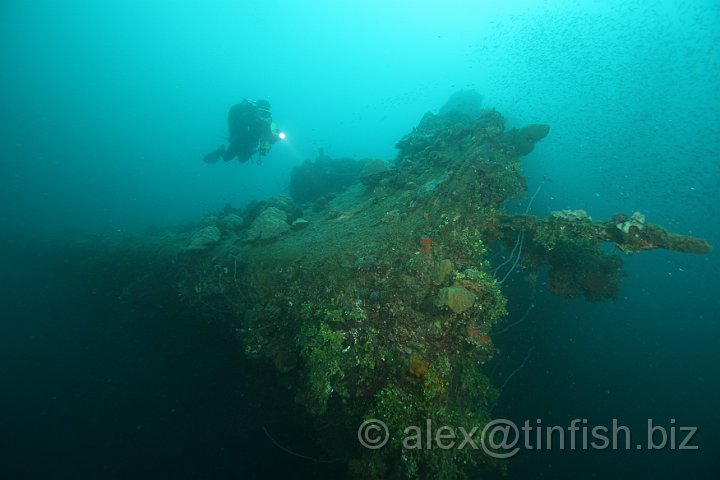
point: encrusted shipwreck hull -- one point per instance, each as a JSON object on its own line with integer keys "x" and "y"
{"x": 381, "y": 302}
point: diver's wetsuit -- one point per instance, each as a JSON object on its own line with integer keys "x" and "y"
{"x": 246, "y": 126}
{"x": 250, "y": 131}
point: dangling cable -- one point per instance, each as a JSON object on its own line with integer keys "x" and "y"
{"x": 518, "y": 242}
{"x": 512, "y": 374}
{"x": 521, "y": 237}
{"x": 508, "y": 327}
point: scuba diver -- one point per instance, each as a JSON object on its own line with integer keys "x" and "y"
{"x": 251, "y": 130}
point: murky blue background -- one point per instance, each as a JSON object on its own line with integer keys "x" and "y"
{"x": 107, "y": 108}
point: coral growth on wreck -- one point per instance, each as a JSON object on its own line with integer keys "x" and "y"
{"x": 380, "y": 303}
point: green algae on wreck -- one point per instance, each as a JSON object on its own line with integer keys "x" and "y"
{"x": 382, "y": 305}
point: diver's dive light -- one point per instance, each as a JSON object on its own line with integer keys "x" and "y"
{"x": 281, "y": 135}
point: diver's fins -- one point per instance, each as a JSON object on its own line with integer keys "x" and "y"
{"x": 215, "y": 155}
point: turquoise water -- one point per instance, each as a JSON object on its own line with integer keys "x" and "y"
{"x": 107, "y": 110}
